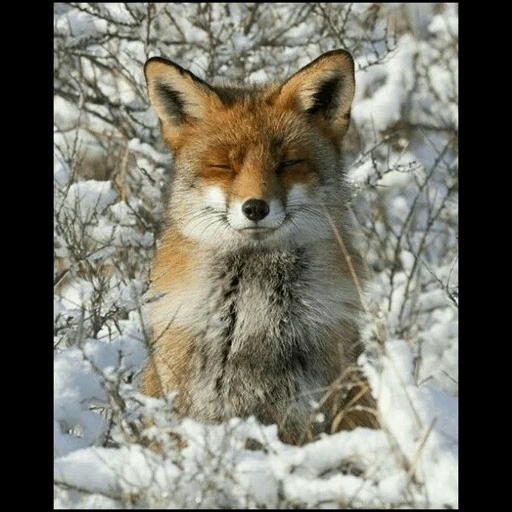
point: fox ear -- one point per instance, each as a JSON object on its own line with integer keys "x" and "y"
{"x": 178, "y": 96}
{"x": 323, "y": 89}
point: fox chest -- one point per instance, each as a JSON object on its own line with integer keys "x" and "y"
{"x": 260, "y": 335}
{"x": 263, "y": 328}
{"x": 255, "y": 309}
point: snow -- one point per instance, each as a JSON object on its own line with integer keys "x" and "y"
{"x": 384, "y": 106}
{"x": 80, "y": 25}
{"x": 415, "y": 454}
{"x": 306, "y": 476}
{"x": 144, "y": 149}
{"x": 90, "y": 197}
{"x": 75, "y": 385}
{"x": 446, "y": 26}
{"x": 101, "y": 338}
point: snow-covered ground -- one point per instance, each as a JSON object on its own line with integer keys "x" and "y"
{"x": 411, "y": 462}
{"x": 110, "y": 173}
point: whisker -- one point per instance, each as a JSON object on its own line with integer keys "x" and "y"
{"x": 206, "y": 218}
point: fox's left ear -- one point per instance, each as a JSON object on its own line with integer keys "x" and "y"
{"x": 323, "y": 89}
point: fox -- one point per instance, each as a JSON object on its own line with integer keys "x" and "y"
{"x": 256, "y": 283}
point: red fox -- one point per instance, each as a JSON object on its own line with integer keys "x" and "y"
{"x": 258, "y": 305}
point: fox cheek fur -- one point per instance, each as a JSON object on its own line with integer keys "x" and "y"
{"x": 259, "y": 309}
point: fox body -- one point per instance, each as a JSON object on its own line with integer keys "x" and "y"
{"x": 255, "y": 282}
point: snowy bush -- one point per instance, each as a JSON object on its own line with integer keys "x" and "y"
{"x": 111, "y": 171}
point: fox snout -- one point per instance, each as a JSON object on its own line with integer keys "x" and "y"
{"x": 251, "y": 215}
{"x": 256, "y": 217}
{"x": 255, "y": 209}
{"x": 216, "y": 216}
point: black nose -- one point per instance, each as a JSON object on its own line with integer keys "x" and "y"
{"x": 255, "y": 209}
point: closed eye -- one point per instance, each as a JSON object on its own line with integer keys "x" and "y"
{"x": 220, "y": 166}
{"x": 288, "y": 163}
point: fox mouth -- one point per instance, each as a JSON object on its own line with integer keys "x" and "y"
{"x": 256, "y": 231}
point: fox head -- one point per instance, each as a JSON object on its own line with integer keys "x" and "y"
{"x": 259, "y": 165}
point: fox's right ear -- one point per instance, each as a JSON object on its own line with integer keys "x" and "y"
{"x": 179, "y": 97}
